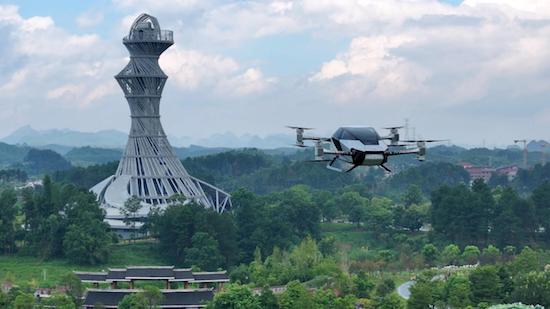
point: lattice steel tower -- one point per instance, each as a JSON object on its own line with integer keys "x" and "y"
{"x": 149, "y": 167}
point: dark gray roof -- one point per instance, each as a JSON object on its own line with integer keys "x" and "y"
{"x": 89, "y": 276}
{"x": 189, "y": 298}
{"x": 116, "y": 274}
{"x": 150, "y": 272}
{"x": 183, "y": 274}
{"x": 366, "y": 135}
{"x": 211, "y": 276}
{"x": 105, "y": 297}
{"x": 154, "y": 273}
{"x": 110, "y": 298}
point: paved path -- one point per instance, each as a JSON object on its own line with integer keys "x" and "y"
{"x": 404, "y": 290}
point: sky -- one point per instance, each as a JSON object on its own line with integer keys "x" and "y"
{"x": 472, "y": 71}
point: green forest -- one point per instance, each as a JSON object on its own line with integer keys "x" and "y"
{"x": 331, "y": 240}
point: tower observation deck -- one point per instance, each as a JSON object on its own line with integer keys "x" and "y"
{"x": 149, "y": 168}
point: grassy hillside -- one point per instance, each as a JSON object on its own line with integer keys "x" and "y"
{"x": 50, "y": 272}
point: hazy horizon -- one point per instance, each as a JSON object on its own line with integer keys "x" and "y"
{"x": 470, "y": 71}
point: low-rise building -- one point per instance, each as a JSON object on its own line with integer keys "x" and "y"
{"x": 183, "y": 287}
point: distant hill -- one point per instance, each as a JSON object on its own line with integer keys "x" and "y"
{"x": 64, "y": 137}
{"x": 38, "y": 161}
{"x": 197, "y": 151}
{"x": 59, "y": 139}
{"x": 11, "y": 154}
{"x": 231, "y": 140}
{"x": 60, "y": 149}
{"x": 84, "y": 156}
{"x": 538, "y": 146}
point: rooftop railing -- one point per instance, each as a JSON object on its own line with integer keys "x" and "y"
{"x": 150, "y": 36}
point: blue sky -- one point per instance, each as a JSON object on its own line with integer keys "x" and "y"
{"x": 468, "y": 70}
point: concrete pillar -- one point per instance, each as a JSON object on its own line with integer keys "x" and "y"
{"x": 113, "y": 285}
{"x": 131, "y": 284}
{"x": 167, "y": 284}
{"x": 185, "y": 284}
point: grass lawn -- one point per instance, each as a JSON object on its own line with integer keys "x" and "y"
{"x": 349, "y": 235}
{"x": 49, "y": 272}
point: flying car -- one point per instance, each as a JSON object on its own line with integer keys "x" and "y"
{"x": 351, "y": 147}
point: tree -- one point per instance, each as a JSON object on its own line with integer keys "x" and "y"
{"x": 327, "y": 246}
{"x": 296, "y": 297}
{"x": 533, "y": 288}
{"x": 541, "y": 201}
{"x": 430, "y": 254}
{"x": 87, "y": 242}
{"x": 413, "y": 196}
{"x": 450, "y": 255}
{"x": 490, "y": 255}
{"x": 458, "y": 292}
{"x": 235, "y": 297}
{"x": 470, "y": 255}
{"x": 204, "y": 252}
{"x": 385, "y": 287}
{"x": 390, "y": 301}
{"x": 149, "y": 298}
{"x": 74, "y": 287}
{"x": 413, "y": 217}
{"x": 130, "y": 210}
{"x": 60, "y": 301}
{"x": 515, "y": 220}
{"x": 421, "y": 296}
{"x": 379, "y": 216}
{"x": 268, "y": 300}
{"x": 133, "y": 301}
{"x": 153, "y": 296}
{"x": 526, "y": 261}
{"x": 353, "y": 205}
{"x": 8, "y": 212}
{"x": 485, "y": 285}
{"x": 24, "y": 301}
{"x": 462, "y": 215}
{"x": 363, "y": 285}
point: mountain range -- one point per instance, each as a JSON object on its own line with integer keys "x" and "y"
{"x": 64, "y": 139}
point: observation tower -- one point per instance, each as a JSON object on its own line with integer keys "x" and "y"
{"x": 149, "y": 168}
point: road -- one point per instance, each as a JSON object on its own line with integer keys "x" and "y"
{"x": 404, "y": 290}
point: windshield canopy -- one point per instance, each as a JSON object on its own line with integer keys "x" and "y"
{"x": 366, "y": 135}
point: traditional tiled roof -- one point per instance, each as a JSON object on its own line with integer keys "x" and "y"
{"x": 150, "y": 272}
{"x": 171, "y": 299}
{"x": 184, "y": 274}
{"x": 116, "y": 274}
{"x": 216, "y": 276}
{"x": 153, "y": 273}
{"x": 91, "y": 276}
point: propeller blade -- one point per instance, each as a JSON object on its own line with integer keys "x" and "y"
{"x": 295, "y": 128}
{"x": 425, "y": 140}
{"x": 390, "y": 128}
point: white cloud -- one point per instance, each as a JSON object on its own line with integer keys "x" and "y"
{"x": 191, "y": 69}
{"x": 160, "y": 5}
{"x": 249, "y": 82}
{"x": 378, "y": 70}
{"x": 89, "y": 19}
{"x": 57, "y": 65}
{"x": 458, "y": 57}
{"x": 16, "y": 80}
